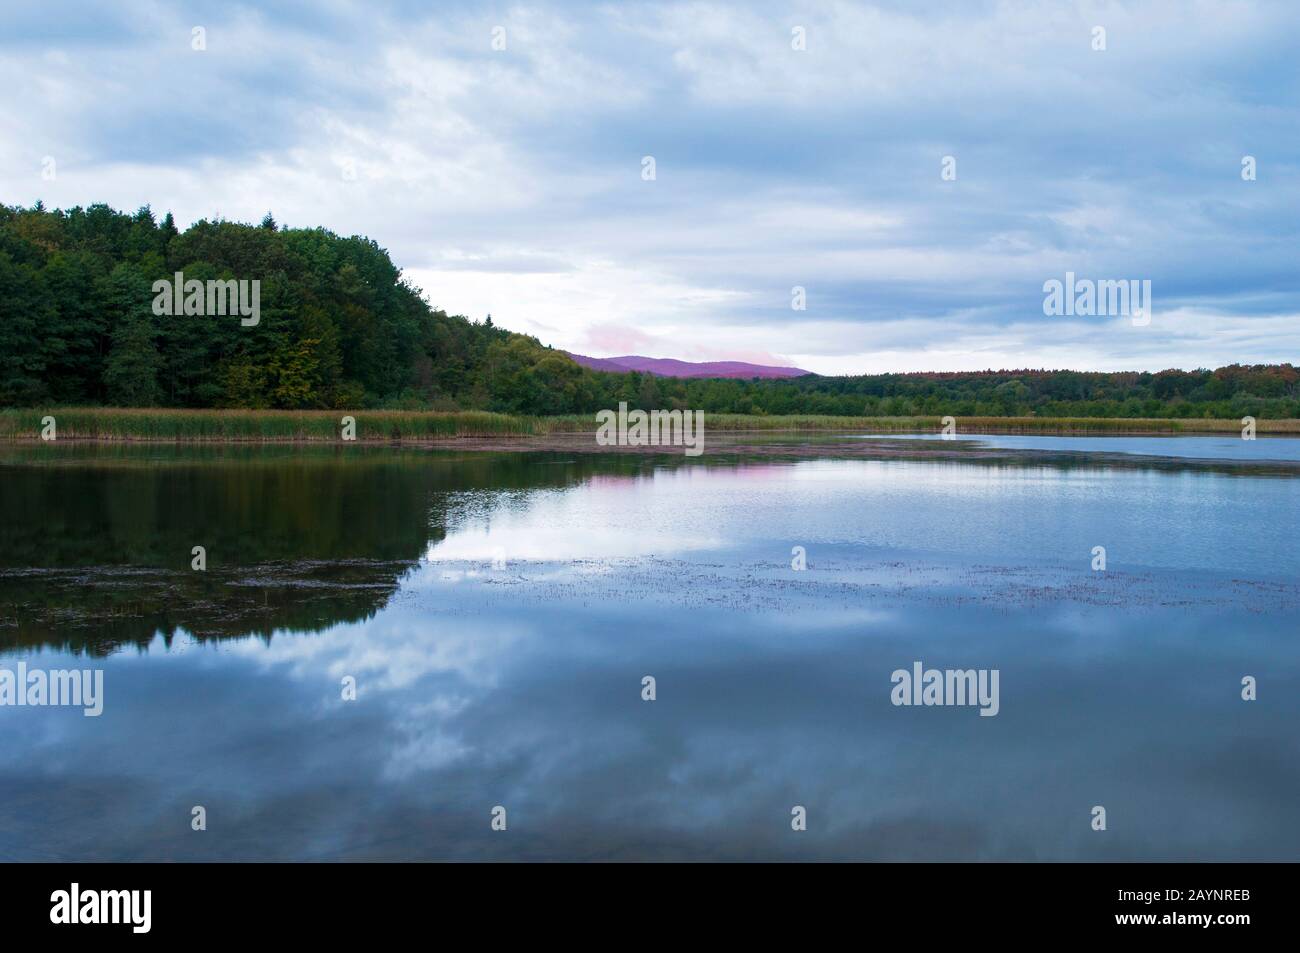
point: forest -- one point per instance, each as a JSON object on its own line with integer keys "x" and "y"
{"x": 340, "y": 328}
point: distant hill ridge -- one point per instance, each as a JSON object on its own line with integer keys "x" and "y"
{"x": 669, "y": 367}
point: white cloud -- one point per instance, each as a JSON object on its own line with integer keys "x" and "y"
{"x": 509, "y": 182}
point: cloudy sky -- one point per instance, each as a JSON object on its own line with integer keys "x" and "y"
{"x": 511, "y": 181}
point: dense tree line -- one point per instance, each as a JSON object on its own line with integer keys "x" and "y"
{"x": 340, "y": 328}
{"x": 1269, "y": 391}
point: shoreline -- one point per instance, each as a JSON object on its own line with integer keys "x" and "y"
{"x": 794, "y": 432}
{"x": 730, "y": 446}
{"x": 110, "y": 424}
{"x": 725, "y": 436}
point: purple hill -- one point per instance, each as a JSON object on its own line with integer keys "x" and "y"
{"x": 668, "y": 367}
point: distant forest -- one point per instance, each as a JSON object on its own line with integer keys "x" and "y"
{"x": 341, "y": 328}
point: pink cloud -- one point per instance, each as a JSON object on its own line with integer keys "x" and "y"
{"x": 618, "y": 340}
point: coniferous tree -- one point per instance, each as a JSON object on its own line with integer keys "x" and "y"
{"x": 133, "y": 365}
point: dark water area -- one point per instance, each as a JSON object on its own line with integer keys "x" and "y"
{"x": 499, "y": 612}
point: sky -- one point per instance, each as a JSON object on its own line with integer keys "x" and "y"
{"x": 499, "y": 153}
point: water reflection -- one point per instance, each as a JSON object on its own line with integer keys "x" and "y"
{"x": 1182, "y": 446}
{"x": 520, "y": 685}
{"x": 96, "y": 543}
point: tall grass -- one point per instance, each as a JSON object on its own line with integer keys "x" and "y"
{"x": 102, "y": 423}
{"x": 106, "y": 423}
{"x": 722, "y": 423}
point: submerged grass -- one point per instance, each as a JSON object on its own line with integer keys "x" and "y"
{"x": 108, "y": 424}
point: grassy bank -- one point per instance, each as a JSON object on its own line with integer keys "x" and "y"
{"x": 740, "y": 423}
{"x": 102, "y": 423}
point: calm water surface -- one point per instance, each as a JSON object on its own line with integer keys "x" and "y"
{"x": 499, "y": 613}
{"x": 1186, "y": 446}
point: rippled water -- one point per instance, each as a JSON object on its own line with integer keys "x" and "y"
{"x": 499, "y": 612}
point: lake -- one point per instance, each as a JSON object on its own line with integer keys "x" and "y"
{"x": 1183, "y": 446}
{"x": 497, "y": 615}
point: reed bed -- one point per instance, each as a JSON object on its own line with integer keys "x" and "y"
{"x": 96, "y": 423}
{"x": 737, "y": 423}
{"x": 110, "y": 424}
